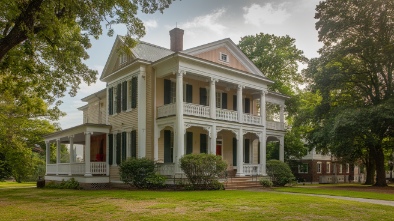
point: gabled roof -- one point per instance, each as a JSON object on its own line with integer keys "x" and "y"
{"x": 142, "y": 51}
{"x": 232, "y": 47}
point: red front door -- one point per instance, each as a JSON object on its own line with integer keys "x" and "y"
{"x": 219, "y": 150}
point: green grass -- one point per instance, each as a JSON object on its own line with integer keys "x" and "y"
{"x": 9, "y": 184}
{"x": 51, "y": 204}
{"x": 324, "y": 190}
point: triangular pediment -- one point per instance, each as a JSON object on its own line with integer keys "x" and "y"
{"x": 113, "y": 58}
{"x": 235, "y": 57}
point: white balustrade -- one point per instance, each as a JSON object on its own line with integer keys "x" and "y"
{"x": 166, "y": 110}
{"x": 98, "y": 167}
{"x": 51, "y": 169}
{"x": 78, "y": 168}
{"x": 166, "y": 168}
{"x": 252, "y": 119}
{"x": 251, "y": 169}
{"x": 228, "y": 115}
{"x": 63, "y": 168}
{"x": 195, "y": 110}
{"x": 274, "y": 125}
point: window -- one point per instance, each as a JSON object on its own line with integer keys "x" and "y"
{"x": 303, "y": 168}
{"x": 247, "y": 151}
{"x": 118, "y": 148}
{"x": 169, "y": 91}
{"x": 111, "y": 101}
{"x": 203, "y": 96}
{"x": 247, "y": 106}
{"x": 188, "y": 93}
{"x": 340, "y": 168}
{"x": 133, "y": 144}
{"x": 203, "y": 143}
{"x": 133, "y": 92}
{"x": 318, "y": 167}
{"x": 224, "y": 57}
{"x": 189, "y": 142}
{"x": 347, "y": 168}
{"x": 122, "y": 58}
{"x": 110, "y": 149}
{"x": 168, "y": 146}
{"x": 118, "y": 98}
{"x": 124, "y": 145}
{"x": 328, "y": 167}
{"x": 221, "y": 100}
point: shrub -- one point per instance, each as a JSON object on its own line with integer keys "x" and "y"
{"x": 203, "y": 170}
{"x": 279, "y": 172}
{"x": 69, "y": 184}
{"x": 266, "y": 183}
{"x": 141, "y": 174}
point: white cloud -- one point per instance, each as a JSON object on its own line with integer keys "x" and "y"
{"x": 209, "y": 21}
{"x": 150, "y": 24}
{"x": 257, "y": 15}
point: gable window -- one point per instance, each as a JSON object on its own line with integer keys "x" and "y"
{"x": 303, "y": 168}
{"x": 122, "y": 58}
{"x": 328, "y": 167}
{"x": 224, "y": 57}
{"x": 318, "y": 167}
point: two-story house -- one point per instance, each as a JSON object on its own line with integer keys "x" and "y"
{"x": 164, "y": 103}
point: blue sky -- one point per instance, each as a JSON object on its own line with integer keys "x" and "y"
{"x": 206, "y": 21}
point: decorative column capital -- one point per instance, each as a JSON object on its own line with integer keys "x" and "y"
{"x": 71, "y": 137}
{"x": 88, "y": 133}
{"x": 213, "y": 81}
{"x": 264, "y": 92}
{"x": 240, "y": 87}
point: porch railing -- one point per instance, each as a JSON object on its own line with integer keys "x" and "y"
{"x": 196, "y": 110}
{"x": 251, "y": 169}
{"x": 252, "y": 119}
{"x": 76, "y": 168}
{"x": 228, "y": 115}
{"x": 273, "y": 125}
{"x": 166, "y": 110}
{"x": 98, "y": 167}
{"x": 166, "y": 168}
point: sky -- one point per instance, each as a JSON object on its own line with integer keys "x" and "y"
{"x": 205, "y": 21}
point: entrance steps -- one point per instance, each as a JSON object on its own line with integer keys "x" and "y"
{"x": 235, "y": 183}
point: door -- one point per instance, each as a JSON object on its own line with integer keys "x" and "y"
{"x": 219, "y": 148}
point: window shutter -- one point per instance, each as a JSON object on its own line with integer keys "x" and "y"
{"x": 203, "y": 143}
{"x": 234, "y": 151}
{"x": 133, "y": 144}
{"x": 118, "y": 143}
{"x": 203, "y": 96}
{"x": 189, "y": 142}
{"x": 111, "y": 148}
{"x": 224, "y": 100}
{"x": 189, "y": 93}
{"x": 118, "y": 98}
{"x": 124, "y": 139}
{"x": 247, "y": 151}
{"x": 111, "y": 101}
{"x": 258, "y": 153}
{"x": 235, "y": 102}
{"x": 247, "y": 105}
{"x": 134, "y": 88}
{"x": 167, "y": 146}
{"x": 167, "y": 91}
{"x": 124, "y": 95}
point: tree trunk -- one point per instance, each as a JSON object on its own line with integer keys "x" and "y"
{"x": 370, "y": 169}
{"x": 380, "y": 170}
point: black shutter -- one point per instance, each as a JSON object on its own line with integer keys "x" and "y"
{"x": 189, "y": 142}
{"x": 133, "y": 144}
{"x": 247, "y": 151}
{"x": 189, "y": 93}
{"x": 247, "y": 105}
{"x": 224, "y": 100}
{"x": 258, "y": 152}
{"x": 203, "y": 96}
{"x": 203, "y": 143}
{"x": 118, "y": 143}
{"x": 134, "y": 90}
{"x": 118, "y": 97}
{"x": 235, "y": 102}
{"x": 111, "y": 101}
{"x": 234, "y": 151}
{"x": 124, "y": 95}
{"x": 124, "y": 139}
{"x": 167, "y": 146}
{"x": 167, "y": 91}
{"x": 111, "y": 148}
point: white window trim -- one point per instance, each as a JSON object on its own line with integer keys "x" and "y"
{"x": 227, "y": 57}
{"x": 328, "y": 167}
{"x": 122, "y": 58}
{"x": 318, "y": 169}
{"x": 347, "y": 168}
{"x": 340, "y": 168}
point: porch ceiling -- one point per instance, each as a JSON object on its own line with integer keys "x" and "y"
{"x": 78, "y": 132}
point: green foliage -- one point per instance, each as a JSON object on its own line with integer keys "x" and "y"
{"x": 141, "y": 174}
{"x": 266, "y": 183}
{"x": 279, "y": 172}
{"x": 203, "y": 170}
{"x": 69, "y": 184}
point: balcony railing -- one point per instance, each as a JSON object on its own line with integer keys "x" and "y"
{"x": 76, "y": 168}
{"x": 166, "y": 110}
{"x": 228, "y": 115}
{"x": 196, "y": 110}
{"x": 274, "y": 125}
{"x": 252, "y": 169}
{"x": 252, "y": 119}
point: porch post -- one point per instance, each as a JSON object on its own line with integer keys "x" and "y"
{"x": 156, "y": 133}
{"x": 282, "y": 115}
{"x": 240, "y": 153}
{"x": 239, "y": 103}
{"x": 179, "y": 121}
{"x": 57, "y": 155}
{"x": 87, "y": 154}
{"x": 107, "y": 154}
{"x": 212, "y": 98}
{"x": 263, "y": 152}
{"x": 213, "y": 139}
{"x": 141, "y": 106}
{"x": 71, "y": 153}
{"x": 48, "y": 155}
{"x": 282, "y": 148}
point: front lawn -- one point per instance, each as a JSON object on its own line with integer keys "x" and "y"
{"x": 9, "y": 184}
{"x": 54, "y": 204}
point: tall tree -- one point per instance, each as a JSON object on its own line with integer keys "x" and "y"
{"x": 355, "y": 76}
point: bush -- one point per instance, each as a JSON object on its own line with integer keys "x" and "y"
{"x": 141, "y": 174}
{"x": 279, "y": 172}
{"x": 203, "y": 170}
{"x": 69, "y": 184}
{"x": 266, "y": 183}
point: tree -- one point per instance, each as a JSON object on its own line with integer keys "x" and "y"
{"x": 354, "y": 76}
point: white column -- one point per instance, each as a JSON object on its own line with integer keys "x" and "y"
{"x": 239, "y": 104}
{"x": 180, "y": 139}
{"x": 71, "y": 152}
{"x": 48, "y": 154}
{"x": 282, "y": 148}
{"x": 263, "y": 108}
{"x": 141, "y": 106}
{"x": 213, "y": 140}
{"x": 57, "y": 155}
{"x": 263, "y": 153}
{"x": 240, "y": 153}
{"x": 212, "y": 98}
{"x": 87, "y": 154}
{"x": 156, "y": 133}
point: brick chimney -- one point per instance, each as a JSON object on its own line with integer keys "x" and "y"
{"x": 176, "y": 36}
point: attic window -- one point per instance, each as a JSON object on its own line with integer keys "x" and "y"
{"x": 224, "y": 57}
{"x": 123, "y": 58}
